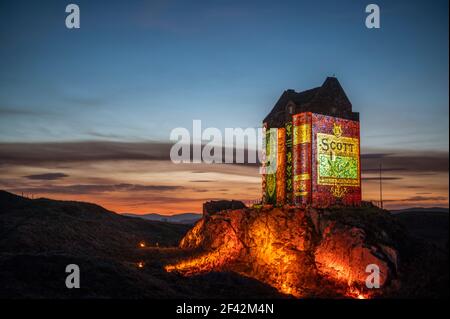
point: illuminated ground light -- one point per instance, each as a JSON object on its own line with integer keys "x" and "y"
{"x": 140, "y": 264}
{"x": 142, "y": 244}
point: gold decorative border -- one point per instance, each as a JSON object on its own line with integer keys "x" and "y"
{"x": 302, "y": 177}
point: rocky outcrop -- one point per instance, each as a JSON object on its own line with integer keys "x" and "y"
{"x": 302, "y": 252}
{"x": 343, "y": 254}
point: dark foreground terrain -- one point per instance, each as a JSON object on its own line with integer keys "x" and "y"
{"x": 40, "y": 237}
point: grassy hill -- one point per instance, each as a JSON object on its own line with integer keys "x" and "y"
{"x": 46, "y": 226}
{"x": 40, "y": 237}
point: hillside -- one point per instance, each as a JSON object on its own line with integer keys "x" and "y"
{"x": 43, "y": 225}
{"x": 39, "y": 237}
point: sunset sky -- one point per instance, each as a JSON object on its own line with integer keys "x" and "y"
{"x": 86, "y": 114}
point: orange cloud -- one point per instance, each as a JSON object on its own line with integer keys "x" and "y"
{"x": 139, "y": 178}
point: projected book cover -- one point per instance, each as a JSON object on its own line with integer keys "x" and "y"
{"x": 225, "y": 159}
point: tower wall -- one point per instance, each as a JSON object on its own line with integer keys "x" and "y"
{"x": 318, "y": 162}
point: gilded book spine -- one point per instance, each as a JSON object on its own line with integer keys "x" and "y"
{"x": 289, "y": 167}
{"x": 263, "y": 160}
{"x": 271, "y": 166}
{"x": 302, "y": 158}
{"x": 281, "y": 166}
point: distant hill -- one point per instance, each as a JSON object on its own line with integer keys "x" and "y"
{"x": 184, "y": 218}
{"x": 422, "y": 210}
{"x": 430, "y": 224}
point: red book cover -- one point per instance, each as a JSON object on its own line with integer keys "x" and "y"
{"x": 302, "y": 158}
{"x": 281, "y": 166}
{"x": 336, "y": 169}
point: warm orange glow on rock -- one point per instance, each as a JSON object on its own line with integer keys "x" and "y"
{"x": 299, "y": 252}
{"x": 224, "y": 253}
{"x": 203, "y": 263}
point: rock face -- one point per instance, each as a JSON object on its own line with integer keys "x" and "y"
{"x": 301, "y": 252}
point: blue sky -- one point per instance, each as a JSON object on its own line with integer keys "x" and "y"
{"x": 134, "y": 71}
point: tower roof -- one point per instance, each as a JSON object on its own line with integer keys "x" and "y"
{"x": 328, "y": 99}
